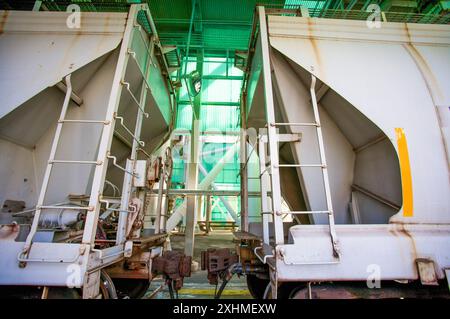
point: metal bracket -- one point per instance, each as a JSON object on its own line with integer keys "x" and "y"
{"x": 267, "y": 252}
{"x": 427, "y": 272}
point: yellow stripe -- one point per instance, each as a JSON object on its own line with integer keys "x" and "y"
{"x": 229, "y": 292}
{"x": 405, "y": 170}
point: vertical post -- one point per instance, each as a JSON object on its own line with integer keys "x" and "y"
{"x": 271, "y": 130}
{"x": 127, "y": 187}
{"x": 192, "y": 182}
{"x": 167, "y": 184}
{"x": 264, "y": 183}
{"x": 200, "y": 204}
{"x": 326, "y": 181}
{"x": 159, "y": 205}
{"x": 208, "y": 214}
{"x": 192, "y": 200}
{"x": 124, "y": 203}
{"x": 244, "y": 170}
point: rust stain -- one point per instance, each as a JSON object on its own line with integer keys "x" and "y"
{"x": 400, "y": 229}
{"x": 102, "y": 41}
{"x": 407, "y": 32}
{"x": 316, "y": 50}
{"x": 68, "y": 52}
{"x": 432, "y": 85}
{"x": 107, "y": 22}
{"x": 427, "y": 74}
{"x": 3, "y": 20}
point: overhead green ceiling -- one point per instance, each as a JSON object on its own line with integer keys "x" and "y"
{"x": 221, "y": 25}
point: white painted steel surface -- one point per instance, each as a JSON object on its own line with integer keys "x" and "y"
{"x": 37, "y": 51}
{"x": 41, "y": 273}
{"x": 385, "y": 73}
{"x": 393, "y": 248}
{"x": 381, "y": 93}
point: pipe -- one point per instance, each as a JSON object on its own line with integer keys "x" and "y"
{"x": 63, "y": 218}
{"x": 237, "y": 269}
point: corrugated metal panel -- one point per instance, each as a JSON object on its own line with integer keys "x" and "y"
{"x": 311, "y": 4}
{"x": 217, "y": 117}
{"x": 184, "y": 117}
{"x": 212, "y": 117}
{"x": 221, "y": 91}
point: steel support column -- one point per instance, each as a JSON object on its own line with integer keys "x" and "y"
{"x": 243, "y": 170}
{"x": 192, "y": 183}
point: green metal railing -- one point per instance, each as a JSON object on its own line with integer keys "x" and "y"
{"x": 226, "y": 25}
{"x": 405, "y": 17}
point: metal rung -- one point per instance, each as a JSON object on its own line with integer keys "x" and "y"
{"x": 127, "y": 85}
{"x": 295, "y": 124}
{"x": 120, "y": 118}
{"x": 143, "y": 152}
{"x": 89, "y": 208}
{"x": 302, "y": 212}
{"x": 85, "y": 121}
{"x": 301, "y": 165}
{"x": 76, "y": 162}
{"x": 120, "y": 167}
{"x": 133, "y": 54}
{"x": 139, "y": 27}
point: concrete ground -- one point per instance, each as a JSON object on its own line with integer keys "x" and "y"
{"x": 197, "y": 285}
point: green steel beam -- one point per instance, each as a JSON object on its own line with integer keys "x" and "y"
{"x": 223, "y": 77}
{"x": 445, "y": 5}
{"x": 233, "y": 32}
{"x": 366, "y": 4}
{"x": 351, "y": 4}
{"x": 198, "y": 97}
{"x": 181, "y": 102}
{"x": 191, "y": 24}
{"x": 37, "y": 5}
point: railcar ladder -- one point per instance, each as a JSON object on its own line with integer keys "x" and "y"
{"x": 51, "y": 161}
{"x": 103, "y": 155}
{"x": 94, "y": 200}
{"x": 272, "y": 181}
